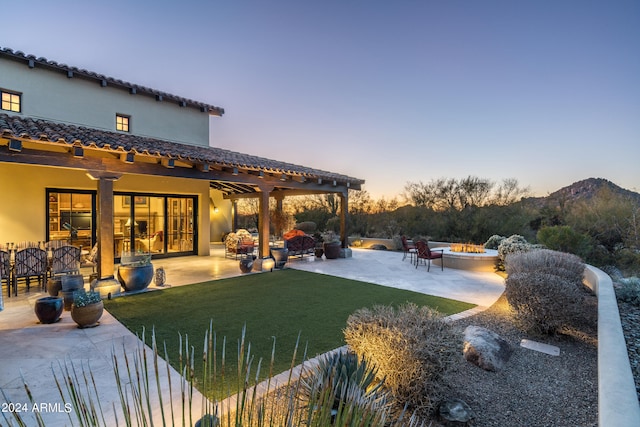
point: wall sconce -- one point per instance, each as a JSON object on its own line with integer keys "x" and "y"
{"x": 261, "y": 175}
{"x": 15, "y": 145}
{"x": 283, "y": 177}
{"x": 215, "y": 208}
{"x": 234, "y": 172}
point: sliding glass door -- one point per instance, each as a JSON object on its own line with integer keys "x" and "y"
{"x": 154, "y": 224}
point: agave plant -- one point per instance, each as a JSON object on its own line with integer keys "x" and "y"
{"x": 342, "y": 388}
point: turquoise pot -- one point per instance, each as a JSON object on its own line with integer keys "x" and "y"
{"x": 135, "y": 278}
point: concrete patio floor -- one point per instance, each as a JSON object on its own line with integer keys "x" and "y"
{"x": 29, "y": 350}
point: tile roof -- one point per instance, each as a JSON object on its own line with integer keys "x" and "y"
{"x": 49, "y": 132}
{"x": 33, "y": 62}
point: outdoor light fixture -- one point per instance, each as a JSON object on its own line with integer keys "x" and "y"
{"x": 268, "y": 264}
{"x": 283, "y": 177}
{"x": 78, "y": 151}
{"x": 234, "y": 172}
{"x": 168, "y": 163}
{"x": 261, "y": 175}
{"x": 215, "y": 208}
{"x": 15, "y": 145}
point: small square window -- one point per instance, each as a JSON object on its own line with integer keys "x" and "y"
{"x": 122, "y": 122}
{"x": 11, "y": 101}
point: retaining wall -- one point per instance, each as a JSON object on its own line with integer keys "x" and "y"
{"x": 617, "y": 397}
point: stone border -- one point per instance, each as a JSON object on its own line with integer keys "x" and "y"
{"x": 617, "y": 396}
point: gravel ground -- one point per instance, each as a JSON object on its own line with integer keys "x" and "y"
{"x": 534, "y": 389}
{"x": 630, "y": 318}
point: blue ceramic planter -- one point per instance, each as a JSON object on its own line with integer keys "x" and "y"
{"x": 135, "y": 278}
{"x": 49, "y": 309}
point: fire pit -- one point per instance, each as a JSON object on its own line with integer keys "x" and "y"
{"x": 464, "y": 256}
{"x": 467, "y": 248}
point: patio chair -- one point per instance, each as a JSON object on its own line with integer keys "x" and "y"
{"x": 29, "y": 263}
{"x": 91, "y": 260}
{"x": 423, "y": 252}
{"x": 5, "y": 270}
{"x": 65, "y": 260}
{"x": 408, "y": 248}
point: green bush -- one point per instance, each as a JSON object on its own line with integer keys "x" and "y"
{"x": 545, "y": 289}
{"x": 412, "y": 348}
{"x": 565, "y": 239}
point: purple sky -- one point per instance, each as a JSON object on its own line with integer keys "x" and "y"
{"x": 547, "y": 92}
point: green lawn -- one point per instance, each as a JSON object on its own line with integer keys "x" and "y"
{"x": 281, "y": 304}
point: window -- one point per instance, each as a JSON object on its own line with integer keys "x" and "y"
{"x": 11, "y": 101}
{"x": 122, "y": 122}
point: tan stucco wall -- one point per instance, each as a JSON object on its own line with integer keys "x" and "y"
{"x": 53, "y": 96}
{"x": 23, "y": 204}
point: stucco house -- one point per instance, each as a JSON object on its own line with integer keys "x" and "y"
{"x": 97, "y": 160}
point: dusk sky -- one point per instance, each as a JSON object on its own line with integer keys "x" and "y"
{"x": 547, "y": 92}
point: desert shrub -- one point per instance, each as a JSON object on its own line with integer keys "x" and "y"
{"x": 412, "y": 347}
{"x": 510, "y": 245}
{"x": 545, "y": 289}
{"x": 341, "y": 380}
{"x": 565, "y": 265}
{"x": 565, "y": 239}
{"x": 628, "y": 290}
{"x": 308, "y": 227}
{"x": 494, "y": 241}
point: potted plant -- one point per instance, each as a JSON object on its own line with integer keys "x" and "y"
{"x": 135, "y": 271}
{"x": 87, "y": 308}
{"x": 319, "y": 251}
{"x": 331, "y": 245}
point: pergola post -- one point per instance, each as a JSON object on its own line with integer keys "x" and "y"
{"x": 263, "y": 221}
{"x": 106, "y": 283}
{"x": 344, "y": 209}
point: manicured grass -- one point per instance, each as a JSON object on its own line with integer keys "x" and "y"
{"x": 281, "y": 304}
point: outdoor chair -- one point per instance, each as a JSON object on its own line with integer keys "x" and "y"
{"x": 423, "y": 252}
{"x": 408, "y": 248}
{"x": 91, "y": 260}
{"x": 29, "y": 263}
{"x": 65, "y": 260}
{"x": 5, "y": 270}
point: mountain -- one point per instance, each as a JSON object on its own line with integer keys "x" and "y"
{"x": 583, "y": 190}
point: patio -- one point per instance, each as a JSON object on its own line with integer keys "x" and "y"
{"x": 30, "y": 349}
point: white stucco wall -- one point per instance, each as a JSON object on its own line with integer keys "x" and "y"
{"x": 53, "y": 96}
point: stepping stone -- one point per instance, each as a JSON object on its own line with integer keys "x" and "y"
{"x": 541, "y": 347}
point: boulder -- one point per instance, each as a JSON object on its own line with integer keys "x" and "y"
{"x": 455, "y": 412}
{"x": 485, "y": 348}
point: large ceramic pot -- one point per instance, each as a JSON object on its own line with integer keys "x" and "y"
{"x": 54, "y": 286}
{"x": 332, "y": 250}
{"x": 48, "y": 309}
{"x": 246, "y": 264}
{"x": 87, "y": 316}
{"x": 135, "y": 277}
{"x": 280, "y": 255}
{"x": 71, "y": 282}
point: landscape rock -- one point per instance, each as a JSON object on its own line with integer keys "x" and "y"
{"x": 455, "y": 412}
{"x": 485, "y": 348}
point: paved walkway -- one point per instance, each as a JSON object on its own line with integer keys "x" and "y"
{"x": 29, "y": 350}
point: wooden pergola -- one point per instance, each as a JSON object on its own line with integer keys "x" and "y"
{"x": 107, "y": 156}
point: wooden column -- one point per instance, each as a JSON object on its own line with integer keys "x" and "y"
{"x": 105, "y": 227}
{"x": 344, "y": 210}
{"x": 263, "y": 221}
